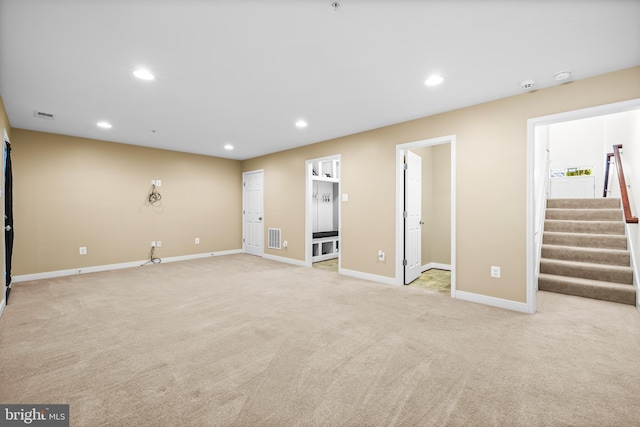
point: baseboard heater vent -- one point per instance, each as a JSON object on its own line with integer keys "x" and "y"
{"x": 274, "y": 238}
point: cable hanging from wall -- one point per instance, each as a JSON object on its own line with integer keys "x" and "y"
{"x": 154, "y": 196}
{"x": 152, "y": 259}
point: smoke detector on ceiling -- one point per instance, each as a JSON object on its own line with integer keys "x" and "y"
{"x": 562, "y": 75}
{"x": 528, "y": 84}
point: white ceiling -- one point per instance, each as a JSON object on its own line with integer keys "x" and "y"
{"x": 243, "y": 72}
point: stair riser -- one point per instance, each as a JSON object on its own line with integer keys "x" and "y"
{"x": 600, "y": 203}
{"x": 570, "y": 254}
{"x": 622, "y": 295}
{"x": 590, "y": 271}
{"x": 586, "y": 241}
{"x": 588, "y": 227}
{"x": 585, "y": 214}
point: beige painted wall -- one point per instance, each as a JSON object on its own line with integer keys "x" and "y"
{"x": 491, "y": 145}
{"x": 441, "y": 205}
{"x": 71, "y": 192}
{"x": 4, "y": 119}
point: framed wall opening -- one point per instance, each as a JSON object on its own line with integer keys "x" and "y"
{"x": 401, "y": 153}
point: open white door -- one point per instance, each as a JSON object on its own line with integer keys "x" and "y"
{"x": 253, "y": 212}
{"x": 3, "y": 297}
{"x": 413, "y": 217}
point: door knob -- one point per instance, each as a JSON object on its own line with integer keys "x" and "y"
{"x": 421, "y": 222}
{"x": 7, "y": 228}
{"x": 259, "y": 218}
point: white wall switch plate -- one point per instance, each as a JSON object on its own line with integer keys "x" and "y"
{"x": 83, "y": 250}
{"x": 197, "y": 240}
{"x": 345, "y": 197}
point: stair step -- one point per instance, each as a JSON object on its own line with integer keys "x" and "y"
{"x": 590, "y": 255}
{"x": 585, "y": 214}
{"x": 604, "y": 241}
{"x": 595, "y": 203}
{"x": 585, "y": 270}
{"x": 590, "y": 227}
{"x": 596, "y": 289}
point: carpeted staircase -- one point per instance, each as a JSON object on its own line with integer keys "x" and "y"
{"x": 584, "y": 250}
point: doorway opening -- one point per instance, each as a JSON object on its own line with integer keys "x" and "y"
{"x": 549, "y": 160}
{"x": 323, "y": 219}
{"x": 426, "y": 211}
{"x": 253, "y": 212}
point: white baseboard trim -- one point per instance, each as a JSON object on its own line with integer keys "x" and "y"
{"x": 494, "y": 302}
{"x": 284, "y": 260}
{"x": 107, "y": 267}
{"x": 436, "y": 265}
{"x": 3, "y": 304}
{"x": 368, "y": 276}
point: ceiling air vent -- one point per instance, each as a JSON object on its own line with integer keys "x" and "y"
{"x": 43, "y": 115}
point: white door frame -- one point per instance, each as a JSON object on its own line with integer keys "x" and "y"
{"x": 400, "y": 149}
{"x": 601, "y": 110}
{"x": 244, "y": 174}
{"x": 308, "y": 225}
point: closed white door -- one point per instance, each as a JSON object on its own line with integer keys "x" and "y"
{"x": 413, "y": 218}
{"x": 253, "y": 212}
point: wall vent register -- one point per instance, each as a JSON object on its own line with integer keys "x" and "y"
{"x": 273, "y": 240}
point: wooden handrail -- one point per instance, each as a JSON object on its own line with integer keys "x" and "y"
{"x": 626, "y": 207}
{"x": 606, "y": 175}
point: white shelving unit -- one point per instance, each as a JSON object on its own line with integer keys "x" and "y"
{"x": 326, "y": 176}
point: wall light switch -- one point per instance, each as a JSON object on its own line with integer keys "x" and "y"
{"x": 345, "y": 197}
{"x": 197, "y": 240}
{"x": 83, "y": 250}
{"x": 495, "y": 271}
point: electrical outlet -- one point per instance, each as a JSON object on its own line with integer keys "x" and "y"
{"x": 83, "y": 250}
{"x": 153, "y": 244}
{"x": 158, "y": 243}
{"x": 158, "y": 183}
{"x": 285, "y": 244}
{"x": 197, "y": 240}
{"x": 495, "y": 271}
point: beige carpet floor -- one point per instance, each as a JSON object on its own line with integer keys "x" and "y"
{"x": 241, "y": 341}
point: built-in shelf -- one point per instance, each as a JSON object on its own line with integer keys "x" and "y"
{"x": 327, "y": 170}
{"x": 325, "y": 248}
{"x": 325, "y": 206}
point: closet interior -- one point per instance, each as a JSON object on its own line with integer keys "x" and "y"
{"x": 325, "y": 209}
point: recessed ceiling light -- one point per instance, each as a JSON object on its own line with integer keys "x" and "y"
{"x": 105, "y": 125}
{"x": 301, "y": 124}
{"x": 143, "y": 74}
{"x": 434, "y": 80}
{"x": 228, "y": 147}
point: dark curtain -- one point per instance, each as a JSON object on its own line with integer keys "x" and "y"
{"x": 8, "y": 216}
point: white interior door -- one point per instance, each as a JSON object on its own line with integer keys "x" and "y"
{"x": 413, "y": 218}
{"x": 253, "y": 212}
